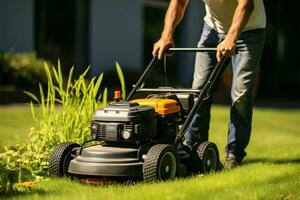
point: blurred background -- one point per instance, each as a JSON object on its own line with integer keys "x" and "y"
{"x": 99, "y": 33}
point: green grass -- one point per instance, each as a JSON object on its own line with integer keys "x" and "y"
{"x": 270, "y": 171}
{"x": 15, "y": 122}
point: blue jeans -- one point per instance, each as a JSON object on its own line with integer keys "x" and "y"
{"x": 245, "y": 64}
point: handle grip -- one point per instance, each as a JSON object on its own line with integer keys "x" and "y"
{"x": 196, "y": 49}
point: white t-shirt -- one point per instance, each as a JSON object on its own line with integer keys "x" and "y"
{"x": 219, "y": 15}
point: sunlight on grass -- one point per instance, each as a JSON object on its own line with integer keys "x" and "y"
{"x": 253, "y": 181}
{"x": 15, "y": 122}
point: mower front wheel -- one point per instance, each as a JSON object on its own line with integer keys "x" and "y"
{"x": 161, "y": 163}
{"x": 60, "y": 158}
{"x": 206, "y": 157}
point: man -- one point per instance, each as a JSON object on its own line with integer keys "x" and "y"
{"x": 236, "y": 27}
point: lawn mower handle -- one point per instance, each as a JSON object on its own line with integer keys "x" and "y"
{"x": 154, "y": 61}
{"x": 196, "y": 49}
{"x": 204, "y": 94}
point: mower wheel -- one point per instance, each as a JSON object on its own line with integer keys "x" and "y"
{"x": 206, "y": 158}
{"x": 60, "y": 158}
{"x": 161, "y": 163}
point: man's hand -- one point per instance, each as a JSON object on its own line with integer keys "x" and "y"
{"x": 161, "y": 46}
{"x": 226, "y": 48}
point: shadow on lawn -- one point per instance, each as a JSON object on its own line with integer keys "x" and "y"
{"x": 272, "y": 161}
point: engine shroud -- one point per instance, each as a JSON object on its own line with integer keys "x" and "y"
{"x": 126, "y": 122}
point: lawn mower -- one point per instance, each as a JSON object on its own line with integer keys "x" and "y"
{"x": 143, "y": 138}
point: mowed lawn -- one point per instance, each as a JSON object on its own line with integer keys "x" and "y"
{"x": 270, "y": 171}
{"x": 15, "y": 123}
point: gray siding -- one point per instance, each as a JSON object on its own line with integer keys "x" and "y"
{"x": 116, "y": 34}
{"x": 16, "y": 25}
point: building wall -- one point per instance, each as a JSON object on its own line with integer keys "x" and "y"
{"x": 116, "y": 34}
{"x": 16, "y": 25}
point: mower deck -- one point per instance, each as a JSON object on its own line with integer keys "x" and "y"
{"x": 107, "y": 161}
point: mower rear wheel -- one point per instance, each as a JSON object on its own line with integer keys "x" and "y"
{"x": 60, "y": 158}
{"x": 161, "y": 163}
{"x": 206, "y": 158}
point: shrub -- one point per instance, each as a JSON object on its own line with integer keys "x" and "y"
{"x": 64, "y": 113}
{"x": 21, "y": 69}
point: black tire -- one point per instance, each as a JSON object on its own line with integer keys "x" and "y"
{"x": 60, "y": 159}
{"x": 161, "y": 163}
{"x": 205, "y": 158}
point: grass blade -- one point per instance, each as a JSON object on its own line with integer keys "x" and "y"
{"x": 33, "y": 96}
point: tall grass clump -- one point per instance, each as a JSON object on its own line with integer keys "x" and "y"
{"x": 65, "y": 108}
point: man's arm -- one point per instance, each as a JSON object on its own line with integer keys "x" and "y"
{"x": 241, "y": 16}
{"x": 173, "y": 16}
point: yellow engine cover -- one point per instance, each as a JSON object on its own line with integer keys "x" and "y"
{"x": 162, "y": 106}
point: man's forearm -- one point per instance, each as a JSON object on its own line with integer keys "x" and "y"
{"x": 173, "y": 16}
{"x": 240, "y": 18}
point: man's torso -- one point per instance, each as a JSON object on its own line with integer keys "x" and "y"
{"x": 219, "y": 15}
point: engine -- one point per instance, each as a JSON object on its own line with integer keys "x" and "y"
{"x": 137, "y": 121}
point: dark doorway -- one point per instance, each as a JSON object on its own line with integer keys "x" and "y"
{"x": 62, "y": 32}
